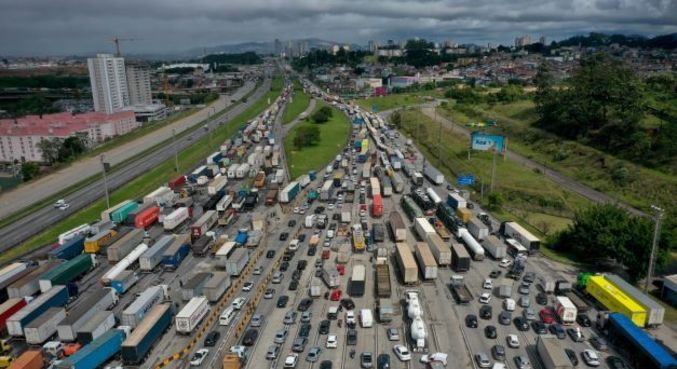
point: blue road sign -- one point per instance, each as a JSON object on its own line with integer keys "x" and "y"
{"x": 466, "y": 180}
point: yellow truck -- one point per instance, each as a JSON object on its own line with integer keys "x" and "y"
{"x": 464, "y": 214}
{"x": 615, "y": 300}
{"x": 6, "y": 361}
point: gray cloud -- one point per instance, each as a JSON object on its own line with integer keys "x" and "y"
{"x": 42, "y": 27}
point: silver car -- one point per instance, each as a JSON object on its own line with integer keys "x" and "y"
{"x": 290, "y": 317}
{"x": 273, "y": 351}
{"x": 483, "y": 360}
{"x": 281, "y": 336}
{"x": 257, "y": 320}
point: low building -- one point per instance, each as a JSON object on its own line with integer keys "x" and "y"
{"x": 148, "y": 113}
{"x": 669, "y": 291}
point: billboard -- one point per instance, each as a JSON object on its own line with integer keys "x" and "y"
{"x": 484, "y": 142}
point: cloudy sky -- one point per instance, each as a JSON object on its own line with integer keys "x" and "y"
{"x": 60, "y": 27}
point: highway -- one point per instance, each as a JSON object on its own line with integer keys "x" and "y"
{"x": 43, "y": 218}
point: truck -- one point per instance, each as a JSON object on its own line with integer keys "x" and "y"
{"x": 194, "y": 286}
{"x": 44, "y": 326}
{"x": 460, "y": 292}
{"x": 124, "y": 281}
{"x": 152, "y": 257}
{"x": 216, "y": 286}
{"x": 315, "y": 289}
{"x": 175, "y": 218}
{"x": 374, "y": 186}
{"x": 203, "y": 224}
{"x": 439, "y": 249}
{"x": 217, "y": 184}
{"x": 101, "y": 299}
{"x": 377, "y": 206}
{"x": 96, "y": 352}
{"x": 260, "y": 179}
{"x": 406, "y": 263}
{"x": 397, "y": 227}
{"x": 125, "y": 245}
{"x": 136, "y": 347}
{"x": 441, "y": 229}
{"x": 357, "y": 280}
{"x": 102, "y": 321}
{"x": 655, "y": 311}
{"x": 93, "y": 244}
{"x": 460, "y": 259}
{"x": 426, "y": 260}
{"x": 515, "y": 231}
{"x": 125, "y": 263}
{"x": 366, "y": 318}
{"x": 201, "y": 246}
{"x": 433, "y": 175}
{"x": 231, "y": 361}
{"x": 478, "y": 229}
{"x": 614, "y": 299}
{"x": 566, "y": 310}
{"x": 237, "y": 261}
{"x": 310, "y": 221}
{"x": 223, "y": 253}
{"x": 546, "y": 284}
{"x": 331, "y": 277}
{"x": 242, "y": 171}
{"x": 70, "y": 249}
{"x": 56, "y": 296}
{"x": 289, "y": 192}
{"x": 147, "y": 217}
{"x": 383, "y": 288}
{"x": 474, "y": 247}
{"x": 176, "y": 252}
{"x": 386, "y": 311}
{"x": 241, "y": 237}
{"x": 551, "y": 353}
{"x": 134, "y": 313}
{"x": 191, "y": 315}
{"x": 505, "y": 288}
{"x": 343, "y": 256}
{"x": 423, "y": 228}
{"x": 378, "y": 232}
{"x": 497, "y": 249}
{"x": 31, "y": 359}
{"x": 359, "y": 243}
{"x": 456, "y": 201}
{"x": 417, "y": 179}
{"x": 29, "y": 284}
{"x": 271, "y": 197}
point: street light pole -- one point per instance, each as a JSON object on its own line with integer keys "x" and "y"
{"x": 105, "y": 181}
{"x": 176, "y": 153}
{"x": 654, "y": 245}
{"x": 493, "y": 169}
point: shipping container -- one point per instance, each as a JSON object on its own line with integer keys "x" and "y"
{"x": 406, "y": 263}
{"x": 135, "y": 312}
{"x": 615, "y": 300}
{"x": 102, "y": 321}
{"x": 397, "y": 227}
{"x": 57, "y": 296}
{"x": 423, "y": 228}
{"x": 655, "y": 311}
{"x": 521, "y": 235}
{"x": 478, "y": 229}
{"x": 216, "y": 286}
{"x": 176, "y": 252}
{"x": 147, "y": 217}
{"x": 191, "y": 315}
{"x": 495, "y": 247}
{"x": 93, "y": 244}
{"x": 426, "y": 261}
{"x": 456, "y": 201}
{"x": 29, "y": 284}
{"x": 125, "y": 245}
{"x": 8, "y": 309}
{"x": 41, "y": 328}
{"x": 357, "y": 280}
{"x": 70, "y": 249}
{"x": 97, "y": 352}
{"x": 383, "y": 287}
{"x": 124, "y": 281}
{"x": 106, "y": 214}
{"x": 439, "y": 249}
{"x": 153, "y": 256}
{"x": 176, "y": 218}
{"x": 119, "y": 215}
{"x": 195, "y": 285}
{"x": 78, "y": 316}
{"x": 460, "y": 259}
{"x": 31, "y": 359}
{"x": 203, "y": 224}
{"x": 237, "y": 261}
{"x": 137, "y": 346}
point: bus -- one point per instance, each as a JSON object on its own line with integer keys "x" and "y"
{"x": 515, "y": 248}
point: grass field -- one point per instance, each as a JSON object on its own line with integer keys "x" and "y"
{"x": 152, "y": 179}
{"x": 394, "y": 101}
{"x": 298, "y": 105}
{"x": 333, "y": 137}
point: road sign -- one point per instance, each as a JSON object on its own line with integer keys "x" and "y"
{"x": 466, "y": 180}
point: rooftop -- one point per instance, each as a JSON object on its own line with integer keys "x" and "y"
{"x": 59, "y": 124}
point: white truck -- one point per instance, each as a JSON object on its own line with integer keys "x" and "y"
{"x": 310, "y": 221}
{"x": 495, "y": 247}
{"x": 191, "y": 315}
{"x": 237, "y": 261}
{"x": 551, "y": 353}
{"x": 423, "y": 228}
{"x": 366, "y": 318}
{"x": 345, "y": 217}
{"x": 566, "y": 310}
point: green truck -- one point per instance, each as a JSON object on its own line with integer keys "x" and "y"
{"x": 67, "y": 272}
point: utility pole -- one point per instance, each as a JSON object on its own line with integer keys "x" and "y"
{"x": 105, "y": 181}
{"x": 439, "y": 136}
{"x": 654, "y": 245}
{"x": 176, "y": 152}
{"x": 493, "y": 168}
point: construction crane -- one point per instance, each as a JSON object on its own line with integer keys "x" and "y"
{"x": 117, "y": 40}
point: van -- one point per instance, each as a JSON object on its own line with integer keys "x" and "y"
{"x": 227, "y": 316}
{"x": 509, "y": 304}
{"x": 366, "y": 318}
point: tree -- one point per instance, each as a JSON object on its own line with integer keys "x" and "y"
{"x": 306, "y": 135}
{"x": 495, "y": 201}
{"x": 29, "y": 170}
{"x": 396, "y": 119}
{"x": 50, "y": 149}
{"x": 322, "y": 115}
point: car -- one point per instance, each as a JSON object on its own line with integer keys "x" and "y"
{"x": 326, "y": 364}
{"x": 351, "y": 337}
{"x": 293, "y": 285}
{"x": 314, "y": 354}
{"x": 239, "y": 302}
{"x": 306, "y": 317}
{"x": 199, "y": 356}
{"x": 504, "y": 318}
{"x": 576, "y": 334}
{"x": 505, "y": 263}
{"x": 402, "y": 352}
{"x": 290, "y": 317}
{"x": 509, "y": 304}
{"x": 284, "y": 265}
{"x": 521, "y": 323}
{"x": 599, "y": 343}
{"x": 284, "y": 236}
{"x": 282, "y": 301}
{"x": 247, "y": 286}
{"x": 325, "y": 254}
{"x": 471, "y": 321}
{"x": 523, "y": 289}
{"x": 324, "y": 326}
{"x": 311, "y": 251}
{"x": 590, "y": 357}
{"x": 296, "y": 275}
{"x": 270, "y": 254}
{"x": 297, "y": 210}
{"x": 291, "y": 223}
{"x": 541, "y": 298}
{"x": 529, "y": 277}
{"x": 524, "y": 301}
{"x": 547, "y": 315}
{"x": 490, "y": 331}
{"x": 299, "y": 344}
{"x": 487, "y": 285}
{"x": 583, "y": 320}
{"x": 393, "y": 334}
{"x": 529, "y": 314}
{"x": 522, "y": 362}
{"x": 64, "y": 207}
{"x": 485, "y": 298}
{"x": 615, "y": 362}
{"x": 512, "y": 341}
{"x": 291, "y": 360}
{"x": 270, "y": 292}
{"x": 273, "y": 352}
{"x": 301, "y": 265}
{"x": 301, "y": 237}
{"x": 250, "y": 337}
{"x": 350, "y": 318}
{"x": 366, "y": 360}
{"x": 571, "y": 354}
{"x": 281, "y": 336}
{"x": 305, "y": 304}
{"x": 498, "y": 352}
{"x": 59, "y": 203}
{"x": 539, "y": 327}
{"x": 482, "y": 360}
{"x": 257, "y": 320}
{"x": 485, "y": 312}
{"x": 383, "y": 361}
{"x": 558, "y": 331}
{"x": 495, "y": 273}
{"x": 332, "y": 341}
{"x": 304, "y": 331}
{"x": 211, "y": 338}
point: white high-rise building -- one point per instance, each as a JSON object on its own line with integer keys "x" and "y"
{"x": 109, "y": 83}
{"x": 138, "y": 84}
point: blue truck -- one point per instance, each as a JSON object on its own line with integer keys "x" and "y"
{"x": 56, "y": 296}
{"x": 96, "y": 352}
{"x": 68, "y": 250}
{"x": 241, "y": 237}
{"x": 313, "y": 175}
{"x": 154, "y": 324}
{"x": 175, "y": 254}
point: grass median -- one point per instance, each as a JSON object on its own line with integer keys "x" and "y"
{"x": 298, "y": 105}
{"x": 333, "y": 136}
{"x": 152, "y": 179}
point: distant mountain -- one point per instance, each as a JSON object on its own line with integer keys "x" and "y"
{"x": 265, "y": 47}
{"x": 600, "y": 39}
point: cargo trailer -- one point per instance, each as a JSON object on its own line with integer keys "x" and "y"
{"x": 216, "y": 286}
{"x": 374, "y": 186}
{"x": 460, "y": 259}
{"x": 93, "y": 244}
{"x": 203, "y": 224}
{"x": 8, "y": 309}
{"x": 41, "y": 328}
{"x": 124, "y": 281}
{"x": 377, "y": 206}
{"x": 614, "y": 299}
{"x": 70, "y": 249}
{"x": 495, "y": 247}
{"x": 383, "y": 287}
{"x": 153, "y": 256}
{"x": 57, "y": 296}
{"x": 216, "y": 185}
{"x": 551, "y": 353}
{"x": 223, "y": 253}
{"x": 194, "y": 286}
{"x": 147, "y": 217}
{"x": 135, "y": 312}
{"x": 119, "y": 215}
{"x": 478, "y": 229}
{"x": 67, "y": 272}
{"x": 655, "y": 311}
{"x": 137, "y": 346}
{"x": 163, "y": 196}
{"x": 289, "y": 192}
{"x": 191, "y": 315}
{"x": 456, "y": 201}
{"x": 439, "y": 249}
{"x": 201, "y": 246}
{"x": 397, "y": 227}
{"x": 433, "y": 175}
{"x": 423, "y": 228}
{"x": 175, "y": 218}
{"x": 125, "y": 245}
{"x": 29, "y": 284}
{"x": 31, "y": 359}
{"x": 237, "y": 261}
{"x": 129, "y": 260}
{"x": 102, "y": 321}
{"x": 426, "y": 261}
{"x": 77, "y": 317}
{"x": 406, "y": 264}
{"x": 176, "y": 252}
{"x": 643, "y": 350}
{"x": 96, "y": 353}
{"x": 521, "y": 235}
{"x": 357, "y": 281}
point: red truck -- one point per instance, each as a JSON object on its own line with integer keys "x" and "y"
{"x": 177, "y": 182}
{"x": 377, "y": 206}
{"x": 147, "y": 217}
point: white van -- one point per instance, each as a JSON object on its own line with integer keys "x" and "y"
{"x": 227, "y": 316}
{"x": 366, "y": 318}
{"x": 509, "y": 304}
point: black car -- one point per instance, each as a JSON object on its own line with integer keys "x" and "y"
{"x": 319, "y": 210}
{"x": 282, "y": 301}
{"x": 352, "y": 337}
{"x": 558, "y": 331}
{"x": 304, "y": 331}
{"x": 293, "y": 285}
{"x": 284, "y": 266}
{"x": 471, "y": 321}
{"x": 498, "y": 352}
{"x": 485, "y": 312}
{"x": 270, "y": 254}
{"x": 311, "y": 251}
{"x": 490, "y": 331}
{"x": 296, "y": 275}
{"x": 529, "y": 277}
{"x": 324, "y": 326}
{"x": 541, "y": 299}
{"x": 326, "y": 364}
{"x": 305, "y": 304}
{"x": 504, "y": 317}
{"x": 495, "y": 273}
{"x": 616, "y": 362}
{"x": 383, "y": 361}
{"x": 250, "y": 337}
{"x": 347, "y": 304}
{"x": 539, "y": 327}
{"x": 571, "y": 354}
{"x": 291, "y": 223}
{"x": 286, "y": 257}
{"x": 583, "y": 320}
{"x": 301, "y": 237}
{"x": 284, "y": 236}
{"x": 211, "y": 338}
{"x": 521, "y": 323}
{"x": 301, "y": 265}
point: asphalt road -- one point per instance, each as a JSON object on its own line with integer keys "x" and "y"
{"x": 41, "y": 219}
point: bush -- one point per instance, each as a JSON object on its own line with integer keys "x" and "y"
{"x": 322, "y": 115}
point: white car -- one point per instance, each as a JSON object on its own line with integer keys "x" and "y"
{"x": 239, "y": 302}
{"x": 488, "y": 284}
{"x": 513, "y": 341}
{"x": 504, "y": 263}
{"x": 591, "y": 358}
{"x": 247, "y": 286}
{"x": 485, "y": 298}
{"x": 402, "y": 352}
{"x": 296, "y": 210}
{"x": 64, "y": 206}
{"x": 199, "y": 356}
{"x": 291, "y": 360}
{"x": 59, "y": 203}
{"x": 332, "y": 341}
{"x": 350, "y": 317}
{"x": 258, "y": 270}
